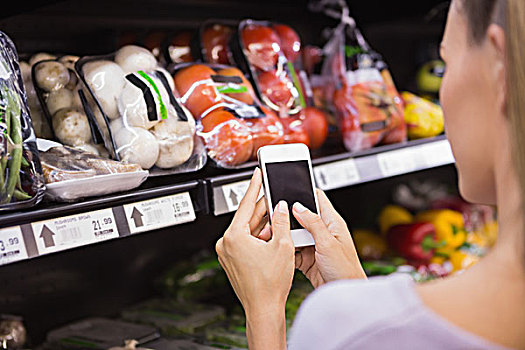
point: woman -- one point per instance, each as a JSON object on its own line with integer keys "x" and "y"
{"x": 482, "y": 308}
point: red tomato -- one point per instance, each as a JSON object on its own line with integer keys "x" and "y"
{"x": 214, "y": 41}
{"x": 153, "y": 41}
{"x": 201, "y": 97}
{"x": 261, "y": 45}
{"x": 246, "y": 97}
{"x": 228, "y": 139}
{"x": 315, "y": 124}
{"x": 294, "y": 131}
{"x": 179, "y": 48}
{"x": 290, "y": 42}
{"x": 312, "y": 55}
{"x": 267, "y": 130}
{"x": 276, "y": 88}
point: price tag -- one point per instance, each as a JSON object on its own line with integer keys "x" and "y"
{"x": 234, "y": 193}
{"x": 336, "y": 175}
{"x": 159, "y": 212}
{"x": 396, "y": 162}
{"x": 438, "y": 153}
{"x": 12, "y": 247}
{"x": 74, "y": 231}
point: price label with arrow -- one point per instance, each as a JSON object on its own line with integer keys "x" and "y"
{"x": 234, "y": 192}
{"x": 336, "y": 175}
{"x": 159, "y": 212}
{"x": 74, "y": 231}
{"x": 12, "y": 247}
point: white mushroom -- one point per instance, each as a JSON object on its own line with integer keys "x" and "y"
{"x": 32, "y": 98}
{"x": 51, "y": 76}
{"x": 41, "y": 56}
{"x": 77, "y": 102}
{"x": 59, "y": 99}
{"x": 175, "y": 139}
{"x": 132, "y": 105}
{"x": 88, "y": 147}
{"x": 136, "y": 145}
{"x": 168, "y": 76}
{"x": 69, "y": 61}
{"x": 73, "y": 80}
{"x": 133, "y": 58}
{"x": 107, "y": 80}
{"x": 71, "y": 127}
{"x": 115, "y": 125}
{"x": 25, "y": 70}
{"x": 40, "y": 124}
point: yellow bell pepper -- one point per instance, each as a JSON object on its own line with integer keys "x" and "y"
{"x": 449, "y": 225}
{"x": 368, "y": 244}
{"x": 461, "y": 260}
{"x": 423, "y": 118}
{"x": 393, "y": 215}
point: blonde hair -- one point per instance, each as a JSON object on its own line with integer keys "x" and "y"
{"x": 515, "y": 52}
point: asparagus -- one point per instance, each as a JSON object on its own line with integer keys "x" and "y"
{"x": 15, "y": 162}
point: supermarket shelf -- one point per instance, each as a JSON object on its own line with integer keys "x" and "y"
{"x": 51, "y": 229}
{"x": 346, "y": 169}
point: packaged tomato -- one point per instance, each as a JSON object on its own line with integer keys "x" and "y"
{"x": 140, "y": 119}
{"x": 230, "y": 118}
{"x": 214, "y": 38}
{"x": 359, "y": 87}
{"x": 268, "y": 53}
{"x": 180, "y": 47}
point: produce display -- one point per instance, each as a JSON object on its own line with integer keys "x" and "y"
{"x": 267, "y": 53}
{"x": 141, "y": 120}
{"x": 437, "y": 235}
{"x": 21, "y": 181}
{"x": 360, "y": 90}
{"x": 231, "y": 120}
{"x": 178, "y": 49}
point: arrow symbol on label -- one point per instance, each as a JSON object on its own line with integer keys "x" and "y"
{"x": 234, "y": 198}
{"x": 136, "y": 215}
{"x": 323, "y": 177}
{"x": 47, "y": 236}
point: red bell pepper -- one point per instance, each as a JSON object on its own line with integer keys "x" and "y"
{"x": 415, "y": 242}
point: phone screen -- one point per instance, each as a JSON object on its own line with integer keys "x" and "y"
{"x": 291, "y": 182}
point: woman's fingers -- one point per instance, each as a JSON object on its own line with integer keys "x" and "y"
{"x": 247, "y": 206}
{"x": 266, "y": 233}
{"x": 313, "y": 223}
{"x": 258, "y": 221}
{"x": 281, "y": 223}
{"x": 305, "y": 259}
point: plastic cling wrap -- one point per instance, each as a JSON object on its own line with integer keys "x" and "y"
{"x": 141, "y": 119}
{"x": 21, "y": 181}
{"x": 230, "y": 119}
{"x": 269, "y": 52}
{"x": 57, "y": 87}
{"x": 359, "y": 86}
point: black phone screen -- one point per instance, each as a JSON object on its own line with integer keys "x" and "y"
{"x": 291, "y": 182}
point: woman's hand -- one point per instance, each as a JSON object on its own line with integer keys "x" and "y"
{"x": 260, "y": 268}
{"x": 334, "y": 255}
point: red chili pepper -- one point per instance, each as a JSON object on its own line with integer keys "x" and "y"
{"x": 415, "y": 242}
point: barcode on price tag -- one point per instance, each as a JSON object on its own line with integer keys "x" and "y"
{"x": 12, "y": 247}
{"x": 159, "y": 212}
{"x": 337, "y": 174}
{"x": 74, "y": 231}
{"x": 396, "y": 162}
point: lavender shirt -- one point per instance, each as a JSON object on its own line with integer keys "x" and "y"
{"x": 382, "y": 313}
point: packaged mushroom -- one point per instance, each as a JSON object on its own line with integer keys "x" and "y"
{"x": 141, "y": 120}
{"x": 231, "y": 120}
{"x": 57, "y": 88}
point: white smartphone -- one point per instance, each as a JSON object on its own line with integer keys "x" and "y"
{"x": 287, "y": 175}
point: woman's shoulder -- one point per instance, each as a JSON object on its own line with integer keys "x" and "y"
{"x": 364, "y": 301}
{"x": 379, "y": 313}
